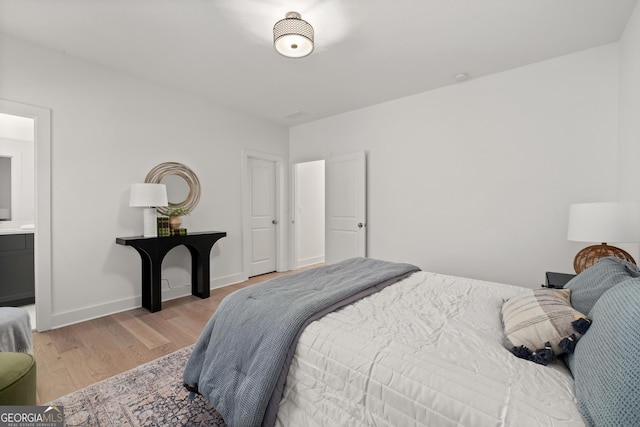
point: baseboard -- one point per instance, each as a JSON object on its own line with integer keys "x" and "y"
{"x": 67, "y": 318}
{"x": 309, "y": 261}
{"x": 60, "y": 320}
{"x": 228, "y": 280}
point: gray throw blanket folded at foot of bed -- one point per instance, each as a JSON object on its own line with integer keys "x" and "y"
{"x": 240, "y": 361}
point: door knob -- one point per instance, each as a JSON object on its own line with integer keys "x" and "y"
{"x": 274, "y": 222}
{"x": 360, "y": 225}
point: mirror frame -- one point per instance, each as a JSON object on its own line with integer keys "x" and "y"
{"x": 163, "y": 170}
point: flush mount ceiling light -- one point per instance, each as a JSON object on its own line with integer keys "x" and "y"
{"x": 292, "y": 36}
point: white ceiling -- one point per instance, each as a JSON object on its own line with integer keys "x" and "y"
{"x": 367, "y": 51}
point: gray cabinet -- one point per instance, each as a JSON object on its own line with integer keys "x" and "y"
{"x": 17, "y": 278}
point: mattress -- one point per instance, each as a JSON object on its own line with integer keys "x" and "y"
{"x": 425, "y": 351}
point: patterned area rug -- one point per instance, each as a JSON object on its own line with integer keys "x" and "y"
{"x": 149, "y": 395}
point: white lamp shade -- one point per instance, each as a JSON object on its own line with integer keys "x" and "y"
{"x": 604, "y": 222}
{"x": 146, "y": 195}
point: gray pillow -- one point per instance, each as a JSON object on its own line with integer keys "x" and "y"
{"x": 589, "y": 285}
{"x": 605, "y": 361}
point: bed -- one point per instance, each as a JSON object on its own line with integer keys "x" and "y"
{"x": 427, "y": 349}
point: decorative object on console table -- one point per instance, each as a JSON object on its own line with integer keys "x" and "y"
{"x": 178, "y": 231}
{"x": 175, "y": 222}
{"x": 557, "y": 280}
{"x": 174, "y": 212}
{"x": 163, "y": 226}
{"x": 603, "y": 222}
{"x": 152, "y": 251}
{"x": 148, "y": 196}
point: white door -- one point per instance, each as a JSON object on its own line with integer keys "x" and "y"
{"x": 346, "y": 235}
{"x": 262, "y": 216}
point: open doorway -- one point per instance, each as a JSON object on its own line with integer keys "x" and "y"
{"x": 38, "y": 221}
{"x": 17, "y": 212}
{"x": 309, "y": 213}
{"x": 329, "y": 209}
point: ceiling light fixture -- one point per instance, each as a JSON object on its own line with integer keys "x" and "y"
{"x": 292, "y": 36}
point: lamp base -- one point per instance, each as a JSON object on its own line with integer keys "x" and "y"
{"x": 591, "y": 254}
{"x": 150, "y": 222}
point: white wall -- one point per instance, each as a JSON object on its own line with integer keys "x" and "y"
{"x": 108, "y": 130}
{"x": 629, "y": 155}
{"x": 629, "y": 121}
{"x": 475, "y": 179}
{"x": 309, "y": 215}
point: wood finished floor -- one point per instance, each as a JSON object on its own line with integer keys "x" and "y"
{"x": 79, "y": 355}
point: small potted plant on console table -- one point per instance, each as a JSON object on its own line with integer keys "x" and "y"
{"x": 175, "y": 221}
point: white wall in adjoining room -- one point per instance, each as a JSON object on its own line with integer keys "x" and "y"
{"x": 629, "y": 142}
{"x": 20, "y": 155}
{"x": 17, "y": 190}
{"x": 309, "y": 212}
{"x": 475, "y": 179}
{"x": 108, "y": 130}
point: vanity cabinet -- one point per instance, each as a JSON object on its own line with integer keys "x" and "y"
{"x": 17, "y": 277}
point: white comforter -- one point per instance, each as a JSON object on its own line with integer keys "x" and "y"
{"x": 426, "y": 351}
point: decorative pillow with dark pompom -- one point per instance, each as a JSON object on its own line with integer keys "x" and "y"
{"x": 541, "y": 324}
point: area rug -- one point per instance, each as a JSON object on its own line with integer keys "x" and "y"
{"x": 149, "y": 395}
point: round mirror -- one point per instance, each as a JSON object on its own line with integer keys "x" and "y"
{"x": 177, "y": 189}
{"x": 183, "y": 186}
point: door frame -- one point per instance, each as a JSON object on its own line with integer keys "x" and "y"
{"x": 281, "y": 209}
{"x": 42, "y": 235}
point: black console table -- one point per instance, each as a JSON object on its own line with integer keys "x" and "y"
{"x": 152, "y": 250}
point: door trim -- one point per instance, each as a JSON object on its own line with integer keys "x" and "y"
{"x": 42, "y": 237}
{"x": 281, "y": 209}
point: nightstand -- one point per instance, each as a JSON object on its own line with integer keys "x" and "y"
{"x": 557, "y": 280}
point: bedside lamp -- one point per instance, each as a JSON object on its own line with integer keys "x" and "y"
{"x": 149, "y": 196}
{"x": 603, "y": 222}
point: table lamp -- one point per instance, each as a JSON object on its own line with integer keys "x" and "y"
{"x": 603, "y": 222}
{"x": 149, "y": 196}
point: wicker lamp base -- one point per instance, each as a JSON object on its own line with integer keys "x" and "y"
{"x": 591, "y": 254}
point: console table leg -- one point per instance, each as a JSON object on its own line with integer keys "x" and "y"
{"x": 200, "y": 272}
{"x": 151, "y": 281}
{"x": 156, "y": 287}
{"x": 147, "y": 275}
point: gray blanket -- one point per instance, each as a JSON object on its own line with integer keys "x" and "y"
{"x": 240, "y": 361}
